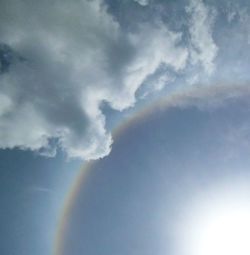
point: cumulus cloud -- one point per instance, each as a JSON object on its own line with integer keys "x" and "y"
{"x": 204, "y": 49}
{"x": 67, "y": 58}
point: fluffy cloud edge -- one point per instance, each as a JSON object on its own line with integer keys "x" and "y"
{"x": 53, "y": 98}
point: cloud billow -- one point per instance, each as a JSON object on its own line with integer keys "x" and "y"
{"x": 60, "y": 61}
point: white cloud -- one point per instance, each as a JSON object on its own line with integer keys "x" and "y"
{"x": 75, "y": 56}
{"x": 204, "y": 49}
{"x": 142, "y": 2}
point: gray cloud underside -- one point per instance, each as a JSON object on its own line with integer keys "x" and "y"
{"x": 70, "y": 56}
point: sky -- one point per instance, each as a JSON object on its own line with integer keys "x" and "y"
{"x": 120, "y": 121}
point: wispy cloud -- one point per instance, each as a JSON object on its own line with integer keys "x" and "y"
{"x": 204, "y": 49}
{"x": 39, "y": 189}
{"x": 142, "y": 2}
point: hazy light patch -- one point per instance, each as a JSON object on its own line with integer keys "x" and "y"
{"x": 218, "y": 222}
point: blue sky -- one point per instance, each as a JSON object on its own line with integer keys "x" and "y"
{"x": 33, "y": 191}
{"x": 172, "y": 76}
{"x": 132, "y": 201}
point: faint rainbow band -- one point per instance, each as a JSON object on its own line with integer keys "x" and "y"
{"x": 181, "y": 98}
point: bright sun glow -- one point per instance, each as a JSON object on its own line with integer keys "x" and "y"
{"x": 219, "y": 225}
{"x": 224, "y": 232}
